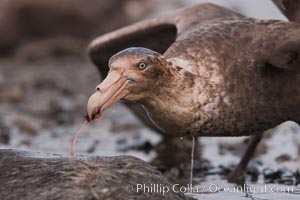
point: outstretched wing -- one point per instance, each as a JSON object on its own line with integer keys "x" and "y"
{"x": 281, "y": 50}
{"x": 290, "y": 8}
{"x": 281, "y": 47}
{"x": 156, "y": 34}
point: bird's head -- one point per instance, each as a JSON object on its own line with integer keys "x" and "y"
{"x": 133, "y": 76}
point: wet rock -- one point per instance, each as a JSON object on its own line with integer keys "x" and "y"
{"x": 61, "y": 104}
{"x": 25, "y": 142}
{"x": 146, "y": 147}
{"x": 283, "y": 158}
{"x": 12, "y": 93}
{"x": 137, "y": 143}
{"x": 253, "y": 171}
{"x": 141, "y": 144}
{"x": 123, "y": 145}
{"x": 222, "y": 170}
{"x": 216, "y": 171}
{"x": 24, "y": 125}
{"x": 32, "y": 175}
{"x": 281, "y": 176}
{"x": 297, "y": 177}
{"x": 93, "y": 147}
{"x": 287, "y": 178}
{"x": 4, "y": 138}
{"x": 4, "y": 133}
{"x": 60, "y": 109}
{"x": 271, "y": 176}
{"x": 58, "y": 132}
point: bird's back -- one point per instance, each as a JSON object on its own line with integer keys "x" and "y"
{"x": 247, "y": 71}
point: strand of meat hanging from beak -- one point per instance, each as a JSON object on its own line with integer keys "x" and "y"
{"x": 112, "y": 89}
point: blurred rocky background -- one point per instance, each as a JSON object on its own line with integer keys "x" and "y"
{"x": 32, "y": 28}
{"x": 46, "y": 78}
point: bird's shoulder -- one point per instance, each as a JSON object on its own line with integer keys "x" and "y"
{"x": 238, "y": 41}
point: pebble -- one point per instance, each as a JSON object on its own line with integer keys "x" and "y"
{"x": 283, "y": 158}
{"x": 280, "y": 176}
{"x": 4, "y": 133}
{"x": 117, "y": 128}
{"x": 253, "y": 171}
{"x": 60, "y": 109}
{"x": 58, "y": 132}
{"x": 93, "y": 147}
{"x": 25, "y": 126}
{"x": 137, "y": 143}
{"x": 12, "y": 93}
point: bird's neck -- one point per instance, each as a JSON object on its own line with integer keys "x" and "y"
{"x": 174, "y": 77}
{"x": 173, "y": 98}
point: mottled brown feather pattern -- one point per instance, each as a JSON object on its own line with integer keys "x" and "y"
{"x": 290, "y": 8}
{"x": 224, "y": 75}
{"x": 230, "y": 59}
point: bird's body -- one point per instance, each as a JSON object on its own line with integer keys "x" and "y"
{"x": 232, "y": 94}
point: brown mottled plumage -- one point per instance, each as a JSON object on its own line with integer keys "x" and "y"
{"x": 218, "y": 73}
{"x": 289, "y": 8}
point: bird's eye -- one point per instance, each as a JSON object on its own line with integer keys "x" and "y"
{"x": 142, "y": 65}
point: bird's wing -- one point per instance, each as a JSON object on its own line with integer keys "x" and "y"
{"x": 277, "y": 46}
{"x": 280, "y": 47}
{"x": 156, "y": 34}
{"x": 290, "y": 8}
{"x": 287, "y": 53}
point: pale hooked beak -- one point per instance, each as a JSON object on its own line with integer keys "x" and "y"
{"x": 107, "y": 93}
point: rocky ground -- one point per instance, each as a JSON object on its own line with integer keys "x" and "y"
{"x": 43, "y": 104}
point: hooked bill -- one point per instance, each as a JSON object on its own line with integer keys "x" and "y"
{"x": 93, "y": 103}
{"x": 112, "y": 89}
